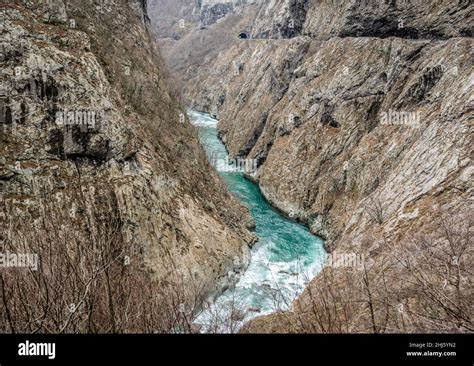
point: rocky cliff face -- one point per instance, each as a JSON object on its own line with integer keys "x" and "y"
{"x": 405, "y": 19}
{"x": 280, "y": 19}
{"x": 213, "y": 10}
{"x": 193, "y": 34}
{"x": 362, "y": 128}
{"x": 94, "y": 148}
{"x": 174, "y": 19}
{"x": 169, "y": 18}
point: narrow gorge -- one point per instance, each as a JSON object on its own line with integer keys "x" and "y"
{"x": 359, "y": 118}
{"x": 286, "y": 257}
{"x": 236, "y": 166}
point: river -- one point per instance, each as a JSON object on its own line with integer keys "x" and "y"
{"x": 286, "y": 257}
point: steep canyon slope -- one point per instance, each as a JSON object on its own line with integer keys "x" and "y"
{"x": 361, "y": 121}
{"x": 103, "y": 178}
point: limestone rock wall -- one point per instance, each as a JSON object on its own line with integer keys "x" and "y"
{"x": 89, "y": 132}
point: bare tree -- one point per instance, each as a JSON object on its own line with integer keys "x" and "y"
{"x": 375, "y": 210}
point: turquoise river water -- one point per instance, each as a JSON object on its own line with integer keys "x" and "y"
{"x": 284, "y": 260}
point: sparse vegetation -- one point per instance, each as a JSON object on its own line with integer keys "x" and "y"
{"x": 375, "y": 210}
{"x": 424, "y": 285}
{"x": 95, "y": 283}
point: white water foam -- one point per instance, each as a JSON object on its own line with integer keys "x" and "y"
{"x": 201, "y": 120}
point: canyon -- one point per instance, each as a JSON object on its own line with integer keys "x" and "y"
{"x": 356, "y": 117}
{"x": 305, "y": 96}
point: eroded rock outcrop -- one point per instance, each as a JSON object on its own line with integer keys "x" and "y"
{"x": 405, "y": 19}
{"x": 280, "y": 19}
